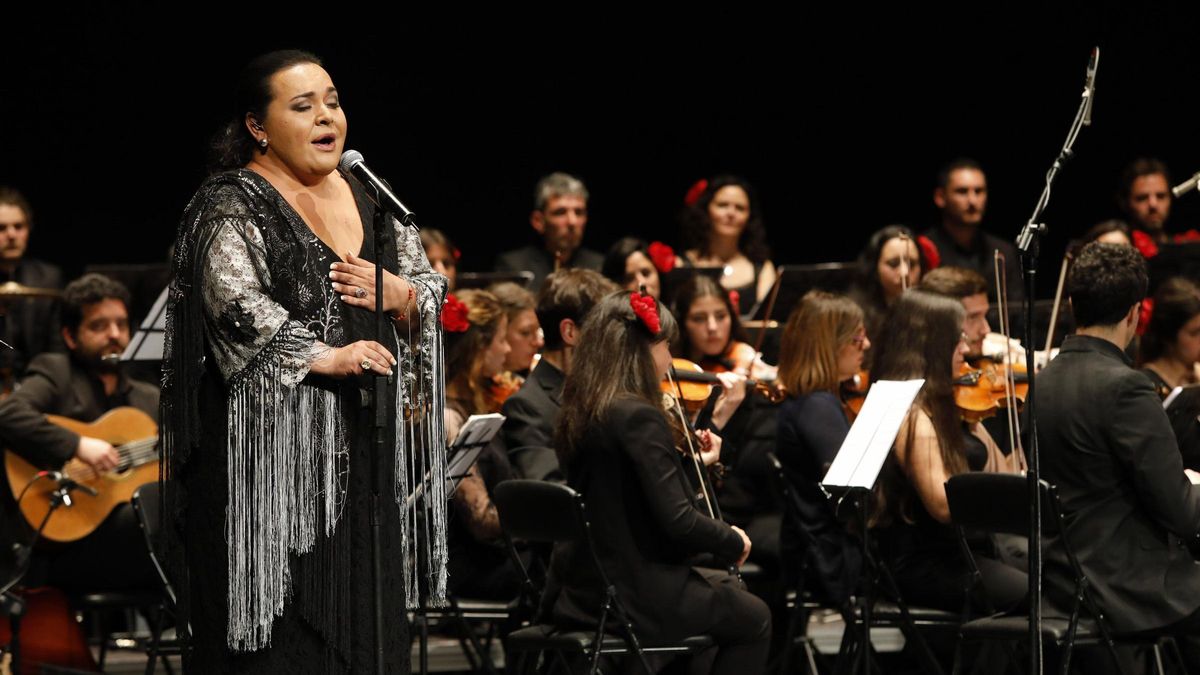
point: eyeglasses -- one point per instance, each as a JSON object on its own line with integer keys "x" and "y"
{"x": 859, "y": 338}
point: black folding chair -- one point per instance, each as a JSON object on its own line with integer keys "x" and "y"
{"x": 538, "y": 511}
{"x": 999, "y": 503}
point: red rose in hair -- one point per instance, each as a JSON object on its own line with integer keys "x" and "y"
{"x": 694, "y": 192}
{"x": 662, "y": 256}
{"x": 1144, "y": 244}
{"x": 646, "y": 309}
{"x": 735, "y": 299}
{"x": 930, "y": 249}
{"x": 454, "y": 315}
{"x": 1144, "y": 315}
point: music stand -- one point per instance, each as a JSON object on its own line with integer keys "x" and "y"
{"x": 147, "y": 343}
{"x": 853, "y": 474}
{"x": 476, "y": 433}
{"x": 796, "y": 280}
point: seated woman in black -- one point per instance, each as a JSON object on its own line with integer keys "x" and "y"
{"x": 823, "y": 345}
{"x": 1169, "y": 353}
{"x": 923, "y": 338}
{"x": 617, "y": 448}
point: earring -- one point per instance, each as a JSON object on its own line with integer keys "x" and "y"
{"x": 263, "y": 143}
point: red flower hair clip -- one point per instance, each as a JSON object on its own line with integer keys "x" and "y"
{"x": 694, "y": 192}
{"x": 1144, "y": 315}
{"x": 930, "y": 249}
{"x": 1144, "y": 244}
{"x": 454, "y": 315}
{"x": 646, "y": 309}
{"x": 735, "y": 299}
{"x": 662, "y": 256}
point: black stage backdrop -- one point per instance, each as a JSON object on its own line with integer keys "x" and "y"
{"x": 840, "y": 120}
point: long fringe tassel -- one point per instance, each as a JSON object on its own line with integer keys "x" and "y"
{"x": 278, "y": 465}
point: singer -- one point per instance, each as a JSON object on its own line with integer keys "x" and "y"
{"x": 269, "y": 346}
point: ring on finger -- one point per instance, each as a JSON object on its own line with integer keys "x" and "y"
{"x": 360, "y": 293}
{"x": 366, "y": 364}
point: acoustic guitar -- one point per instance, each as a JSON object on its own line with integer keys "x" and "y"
{"x": 135, "y": 436}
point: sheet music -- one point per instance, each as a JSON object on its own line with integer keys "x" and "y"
{"x": 862, "y": 454}
{"x": 479, "y": 429}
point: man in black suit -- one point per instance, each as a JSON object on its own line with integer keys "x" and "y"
{"x": 1107, "y": 445}
{"x": 30, "y": 325}
{"x": 83, "y": 385}
{"x": 961, "y": 196}
{"x": 532, "y": 412}
{"x": 559, "y": 217}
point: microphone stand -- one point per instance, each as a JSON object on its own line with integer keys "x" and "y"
{"x": 378, "y": 399}
{"x": 12, "y": 604}
{"x": 1028, "y": 243}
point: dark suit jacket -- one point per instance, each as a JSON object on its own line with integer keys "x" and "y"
{"x": 646, "y": 527}
{"x": 980, "y": 258}
{"x": 538, "y": 260}
{"x": 1108, "y": 447}
{"x": 532, "y": 414}
{"x": 56, "y": 384}
{"x": 31, "y": 326}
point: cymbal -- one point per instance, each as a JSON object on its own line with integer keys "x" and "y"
{"x": 11, "y": 289}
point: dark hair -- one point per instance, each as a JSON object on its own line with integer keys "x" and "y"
{"x": 816, "y": 329}
{"x": 1105, "y": 281}
{"x": 613, "y": 360}
{"x": 568, "y": 294}
{"x": 921, "y": 332}
{"x": 954, "y": 282}
{"x": 431, "y": 236}
{"x": 866, "y": 289}
{"x": 233, "y": 147}
{"x": 88, "y": 290}
{"x": 697, "y": 226}
{"x": 942, "y": 179}
{"x": 12, "y": 196}
{"x": 701, "y": 286}
{"x": 1176, "y": 302}
{"x": 1099, "y": 230}
{"x": 618, "y": 254}
{"x": 1142, "y": 166}
{"x": 484, "y": 313}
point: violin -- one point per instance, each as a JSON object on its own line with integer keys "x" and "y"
{"x": 982, "y": 391}
{"x": 854, "y": 394}
{"x": 695, "y": 384}
{"x": 740, "y": 357}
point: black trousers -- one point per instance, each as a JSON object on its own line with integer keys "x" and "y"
{"x": 741, "y": 626}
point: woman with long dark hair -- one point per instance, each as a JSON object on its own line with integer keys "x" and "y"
{"x": 618, "y": 449}
{"x": 889, "y": 264}
{"x": 723, "y": 227}
{"x": 270, "y": 342}
{"x": 1169, "y": 352}
{"x": 923, "y": 338}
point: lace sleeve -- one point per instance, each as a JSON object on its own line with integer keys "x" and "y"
{"x": 430, "y": 286}
{"x": 244, "y": 324}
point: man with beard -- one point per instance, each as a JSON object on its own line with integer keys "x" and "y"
{"x": 559, "y": 217}
{"x": 29, "y": 325}
{"x": 82, "y": 384}
{"x": 961, "y": 196}
{"x": 1145, "y": 197}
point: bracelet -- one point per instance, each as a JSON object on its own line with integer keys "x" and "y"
{"x": 404, "y": 312}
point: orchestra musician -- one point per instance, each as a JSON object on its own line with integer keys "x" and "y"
{"x": 630, "y": 264}
{"x": 30, "y": 324}
{"x": 619, "y": 451}
{"x": 82, "y": 384}
{"x": 1169, "y": 353}
{"x": 1144, "y": 196}
{"x": 442, "y": 253}
{"x": 923, "y": 338}
{"x": 723, "y": 227}
{"x": 823, "y": 345}
{"x": 474, "y": 324}
{"x": 1106, "y": 444}
{"x": 524, "y": 334}
{"x": 888, "y": 265}
{"x": 559, "y": 217}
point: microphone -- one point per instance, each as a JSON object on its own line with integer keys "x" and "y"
{"x": 1186, "y": 186}
{"x": 67, "y": 483}
{"x": 379, "y": 192}
{"x": 1089, "y": 87}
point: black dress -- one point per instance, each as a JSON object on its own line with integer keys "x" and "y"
{"x": 271, "y": 460}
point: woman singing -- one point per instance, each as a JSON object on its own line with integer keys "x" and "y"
{"x": 270, "y": 347}
{"x": 618, "y": 450}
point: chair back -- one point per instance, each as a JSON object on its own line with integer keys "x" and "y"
{"x": 536, "y": 510}
{"x": 147, "y": 506}
{"x": 999, "y": 502}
